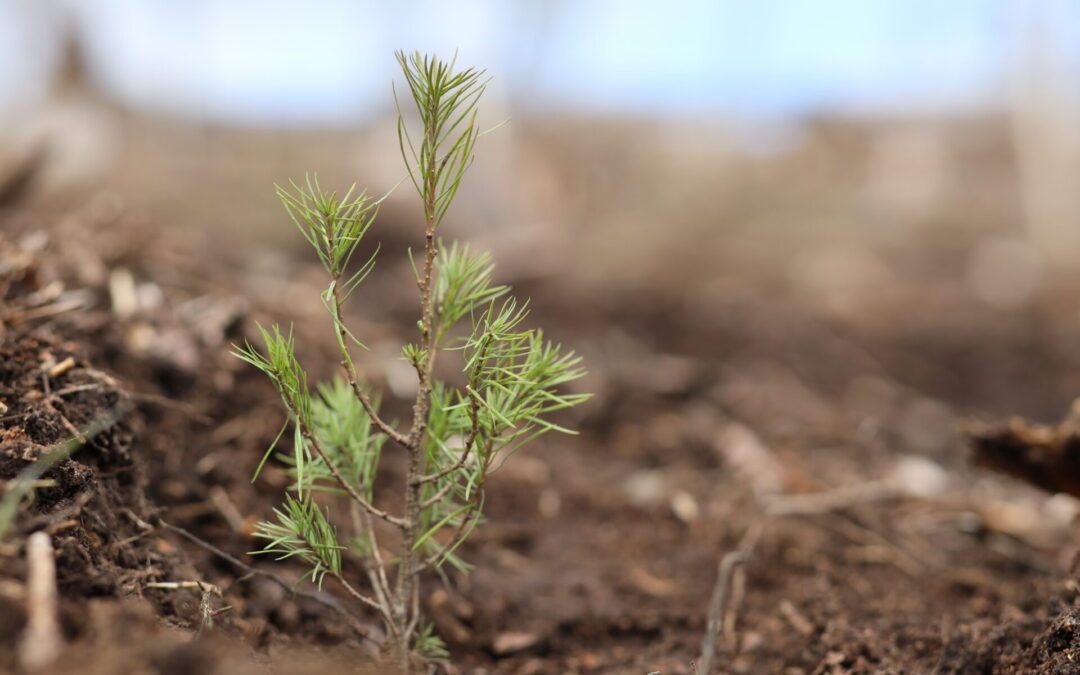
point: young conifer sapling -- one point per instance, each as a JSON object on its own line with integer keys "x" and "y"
{"x": 460, "y": 434}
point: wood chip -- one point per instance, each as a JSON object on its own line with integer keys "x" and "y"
{"x": 62, "y": 367}
{"x": 513, "y": 642}
{"x": 651, "y": 584}
{"x": 795, "y": 618}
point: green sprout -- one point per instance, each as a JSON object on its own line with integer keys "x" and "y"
{"x": 512, "y": 380}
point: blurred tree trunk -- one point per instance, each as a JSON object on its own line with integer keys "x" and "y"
{"x": 1046, "y": 130}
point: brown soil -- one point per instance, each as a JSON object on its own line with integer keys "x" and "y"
{"x": 880, "y": 550}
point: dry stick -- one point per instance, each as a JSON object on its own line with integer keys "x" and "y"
{"x": 738, "y": 592}
{"x": 944, "y": 646}
{"x": 146, "y": 397}
{"x": 251, "y": 571}
{"x": 177, "y": 585}
{"x": 861, "y": 534}
{"x": 794, "y": 617}
{"x": 41, "y": 642}
{"x": 836, "y": 499}
{"x": 58, "y": 307}
{"x": 721, "y": 597}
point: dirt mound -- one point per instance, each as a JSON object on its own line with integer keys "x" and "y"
{"x": 58, "y": 409}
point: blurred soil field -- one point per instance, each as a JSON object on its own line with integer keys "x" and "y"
{"x": 788, "y": 345}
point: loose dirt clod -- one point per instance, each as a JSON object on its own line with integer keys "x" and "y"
{"x": 1045, "y": 456}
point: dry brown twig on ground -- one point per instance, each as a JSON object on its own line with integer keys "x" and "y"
{"x": 721, "y": 603}
{"x": 250, "y": 571}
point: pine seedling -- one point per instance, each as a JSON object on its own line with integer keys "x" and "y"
{"x": 512, "y": 379}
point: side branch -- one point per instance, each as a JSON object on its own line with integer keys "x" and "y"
{"x": 370, "y": 602}
{"x": 357, "y": 497}
{"x": 437, "y": 497}
{"x": 365, "y": 401}
{"x": 350, "y": 369}
{"x": 721, "y": 596}
{"x": 470, "y": 441}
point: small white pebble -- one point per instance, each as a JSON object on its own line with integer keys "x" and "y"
{"x": 685, "y": 507}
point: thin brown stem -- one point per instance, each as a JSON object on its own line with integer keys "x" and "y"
{"x": 347, "y": 363}
{"x": 721, "y": 597}
{"x": 437, "y": 497}
{"x": 370, "y": 602}
{"x": 365, "y": 401}
{"x": 406, "y": 588}
{"x": 462, "y": 458}
{"x": 352, "y": 492}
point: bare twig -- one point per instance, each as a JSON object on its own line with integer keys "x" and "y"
{"x": 799, "y": 622}
{"x": 58, "y": 307}
{"x": 721, "y": 597}
{"x": 360, "y": 629}
{"x": 836, "y": 499}
{"x": 202, "y": 586}
{"x": 42, "y": 641}
{"x": 871, "y": 538}
{"x": 220, "y": 498}
{"x": 737, "y": 592}
{"x": 165, "y": 402}
{"x": 945, "y": 623}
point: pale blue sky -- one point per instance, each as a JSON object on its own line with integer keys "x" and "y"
{"x": 329, "y": 61}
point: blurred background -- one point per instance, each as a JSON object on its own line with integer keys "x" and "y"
{"x": 868, "y": 162}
